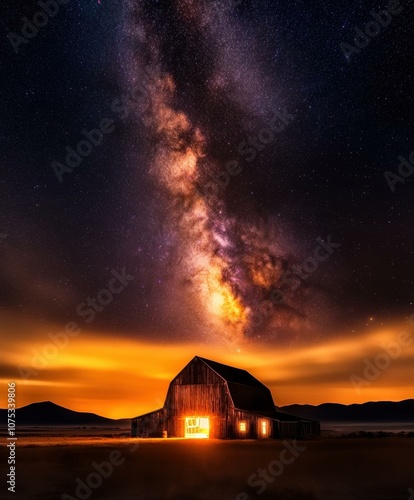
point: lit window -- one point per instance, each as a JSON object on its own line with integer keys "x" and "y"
{"x": 243, "y": 426}
{"x": 264, "y": 427}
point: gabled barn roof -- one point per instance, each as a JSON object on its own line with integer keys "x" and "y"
{"x": 247, "y": 393}
{"x": 231, "y": 374}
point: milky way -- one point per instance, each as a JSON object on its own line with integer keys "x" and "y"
{"x": 208, "y": 247}
{"x": 230, "y": 256}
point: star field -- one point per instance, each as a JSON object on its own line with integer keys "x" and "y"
{"x": 211, "y": 75}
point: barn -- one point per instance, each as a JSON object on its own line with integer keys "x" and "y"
{"x": 212, "y": 400}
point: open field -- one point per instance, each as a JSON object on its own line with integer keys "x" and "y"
{"x": 328, "y": 469}
{"x": 344, "y": 428}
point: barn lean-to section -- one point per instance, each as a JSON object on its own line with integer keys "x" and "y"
{"x": 212, "y": 400}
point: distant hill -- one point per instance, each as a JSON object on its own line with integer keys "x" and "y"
{"x": 382, "y": 411}
{"x": 50, "y": 414}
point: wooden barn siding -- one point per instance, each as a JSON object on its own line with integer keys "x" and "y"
{"x": 153, "y": 425}
{"x": 197, "y": 391}
{"x": 252, "y": 425}
{"x": 312, "y": 428}
{"x": 296, "y": 430}
{"x": 286, "y": 430}
{"x": 149, "y": 425}
{"x": 197, "y": 372}
{"x": 197, "y": 400}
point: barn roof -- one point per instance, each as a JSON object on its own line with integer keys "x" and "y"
{"x": 248, "y": 393}
{"x": 232, "y": 374}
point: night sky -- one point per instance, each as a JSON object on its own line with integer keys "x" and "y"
{"x": 188, "y": 87}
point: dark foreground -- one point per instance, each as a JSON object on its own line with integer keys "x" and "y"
{"x": 328, "y": 469}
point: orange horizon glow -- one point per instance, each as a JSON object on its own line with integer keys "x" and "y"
{"x": 119, "y": 377}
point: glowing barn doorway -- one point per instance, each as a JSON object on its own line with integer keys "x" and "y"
{"x": 197, "y": 427}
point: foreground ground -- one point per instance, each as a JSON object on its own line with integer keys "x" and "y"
{"x": 328, "y": 469}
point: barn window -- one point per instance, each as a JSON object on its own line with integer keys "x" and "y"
{"x": 242, "y": 426}
{"x": 264, "y": 427}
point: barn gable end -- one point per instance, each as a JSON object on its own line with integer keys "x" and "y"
{"x": 210, "y": 399}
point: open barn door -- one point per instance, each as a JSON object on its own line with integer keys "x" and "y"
{"x": 197, "y": 427}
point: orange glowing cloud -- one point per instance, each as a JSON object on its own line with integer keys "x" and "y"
{"x": 121, "y": 377}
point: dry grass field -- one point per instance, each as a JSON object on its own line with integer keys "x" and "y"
{"x": 328, "y": 469}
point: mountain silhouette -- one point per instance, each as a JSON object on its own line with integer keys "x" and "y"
{"x": 381, "y": 411}
{"x": 47, "y": 413}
